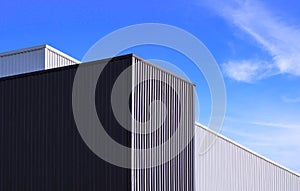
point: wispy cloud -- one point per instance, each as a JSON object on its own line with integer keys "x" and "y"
{"x": 280, "y": 39}
{"x": 276, "y": 125}
{"x": 247, "y": 70}
{"x": 290, "y": 99}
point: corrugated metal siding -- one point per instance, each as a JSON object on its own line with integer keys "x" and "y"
{"x": 54, "y": 59}
{"x": 33, "y": 59}
{"x": 23, "y": 62}
{"x": 41, "y": 149}
{"x": 177, "y": 96}
{"x": 40, "y": 146}
{"x": 229, "y": 167}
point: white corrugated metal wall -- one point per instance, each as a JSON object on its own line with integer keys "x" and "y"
{"x": 177, "y": 97}
{"x": 33, "y": 59}
{"x": 224, "y": 165}
{"x": 55, "y": 58}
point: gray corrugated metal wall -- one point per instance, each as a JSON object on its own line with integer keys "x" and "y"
{"x": 222, "y": 164}
{"x": 33, "y": 59}
{"x": 24, "y": 62}
{"x": 177, "y": 98}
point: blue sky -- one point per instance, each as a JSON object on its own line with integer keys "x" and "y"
{"x": 255, "y": 43}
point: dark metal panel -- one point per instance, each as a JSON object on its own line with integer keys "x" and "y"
{"x": 40, "y": 147}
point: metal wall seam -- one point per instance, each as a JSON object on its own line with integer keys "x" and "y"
{"x": 133, "y": 180}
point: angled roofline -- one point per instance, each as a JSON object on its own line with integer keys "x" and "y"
{"x": 83, "y": 64}
{"x": 246, "y": 149}
{"x": 62, "y": 53}
{"x": 46, "y": 46}
{"x": 162, "y": 69}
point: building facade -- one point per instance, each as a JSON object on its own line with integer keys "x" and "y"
{"x": 42, "y": 148}
{"x": 50, "y": 140}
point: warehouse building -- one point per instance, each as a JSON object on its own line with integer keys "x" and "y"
{"x": 49, "y": 139}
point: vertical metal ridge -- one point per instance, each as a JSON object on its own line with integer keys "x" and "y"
{"x": 54, "y": 59}
{"x": 176, "y": 174}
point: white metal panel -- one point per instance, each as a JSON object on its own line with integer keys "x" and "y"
{"x": 33, "y": 59}
{"x": 55, "y": 58}
{"x": 222, "y": 164}
{"x": 155, "y": 84}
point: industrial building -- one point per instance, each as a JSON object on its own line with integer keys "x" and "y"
{"x": 49, "y": 139}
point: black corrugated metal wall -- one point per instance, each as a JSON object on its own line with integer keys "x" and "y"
{"x": 40, "y": 147}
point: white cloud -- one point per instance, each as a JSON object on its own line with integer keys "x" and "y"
{"x": 247, "y": 70}
{"x": 276, "y": 137}
{"x": 277, "y": 124}
{"x": 280, "y": 39}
